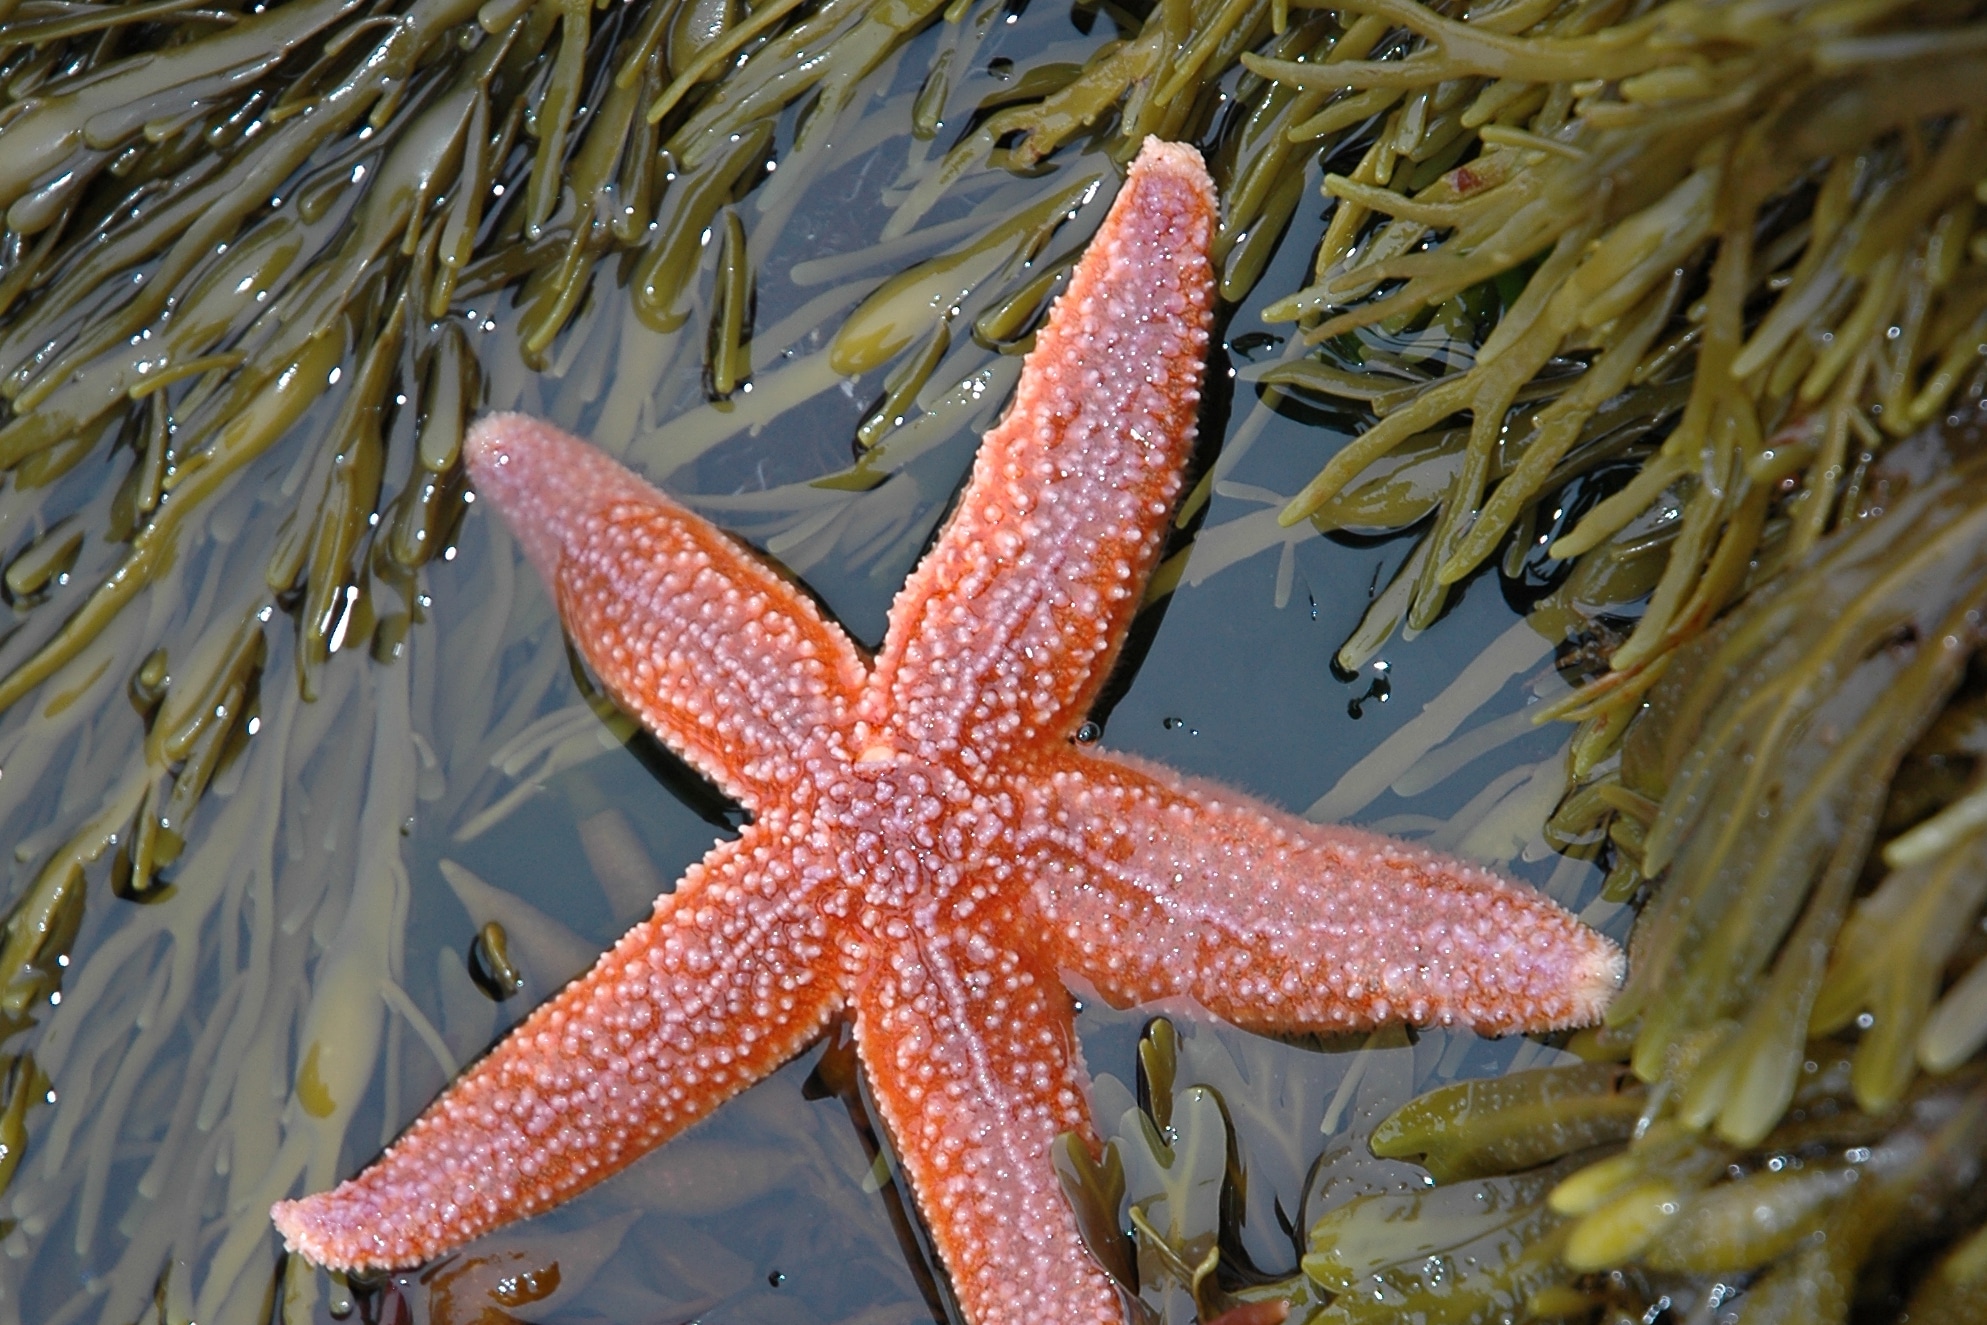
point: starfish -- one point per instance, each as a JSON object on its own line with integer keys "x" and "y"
{"x": 930, "y": 848}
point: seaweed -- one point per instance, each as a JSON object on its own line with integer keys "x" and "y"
{"x": 1642, "y": 292}
{"x": 1562, "y": 1192}
{"x": 1749, "y": 198}
{"x": 1791, "y": 1226}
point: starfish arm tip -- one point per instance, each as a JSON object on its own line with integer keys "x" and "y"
{"x": 492, "y": 441}
{"x": 1598, "y": 979}
{"x": 350, "y": 1228}
{"x": 552, "y": 488}
{"x": 284, "y": 1216}
{"x": 543, "y": 481}
{"x": 306, "y": 1229}
{"x": 1577, "y": 977}
{"x": 485, "y": 437}
{"x": 1181, "y": 159}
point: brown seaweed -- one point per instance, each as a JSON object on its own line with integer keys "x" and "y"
{"x": 250, "y": 289}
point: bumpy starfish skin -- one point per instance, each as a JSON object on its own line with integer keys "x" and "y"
{"x": 930, "y": 849}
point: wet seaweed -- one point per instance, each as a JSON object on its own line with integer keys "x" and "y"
{"x": 1784, "y": 1112}
{"x": 1562, "y": 1193}
{"x": 259, "y": 265}
{"x": 1792, "y": 1226}
{"x": 1748, "y": 200}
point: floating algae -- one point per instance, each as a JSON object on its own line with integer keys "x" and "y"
{"x": 1549, "y": 1177}
{"x": 1786, "y": 1227}
{"x": 250, "y": 285}
{"x": 1757, "y": 195}
{"x": 1761, "y": 220}
{"x": 1785, "y": 1111}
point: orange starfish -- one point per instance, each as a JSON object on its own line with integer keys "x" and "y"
{"x": 929, "y": 847}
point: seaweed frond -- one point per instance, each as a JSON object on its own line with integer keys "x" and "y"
{"x": 1774, "y": 206}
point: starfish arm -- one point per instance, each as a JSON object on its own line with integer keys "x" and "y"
{"x": 727, "y": 663}
{"x": 1151, "y": 886}
{"x": 1006, "y": 630}
{"x": 971, "y": 1055}
{"x": 719, "y": 988}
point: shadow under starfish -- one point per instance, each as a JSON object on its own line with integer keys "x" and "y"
{"x": 930, "y": 848}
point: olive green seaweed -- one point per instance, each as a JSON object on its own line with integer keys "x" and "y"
{"x": 1662, "y": 166}
{"x": 1956, "y": 1289}
{"x": 1797, "y": 1218}
{"x": 1514, "y": 1122}
{"x": 1649, "y": 292}
{"x": 1776, "y": 757}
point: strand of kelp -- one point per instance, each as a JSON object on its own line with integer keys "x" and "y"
{"x": 1092, "y": 93}
{"x": 1751, "y": 202}
{"x": 1777, "y": 754}
{"x": 1817, "y": 739}
{"x": 1549, "y": 1193}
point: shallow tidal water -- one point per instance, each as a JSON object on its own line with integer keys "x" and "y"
{"x": 511, "y": 801}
